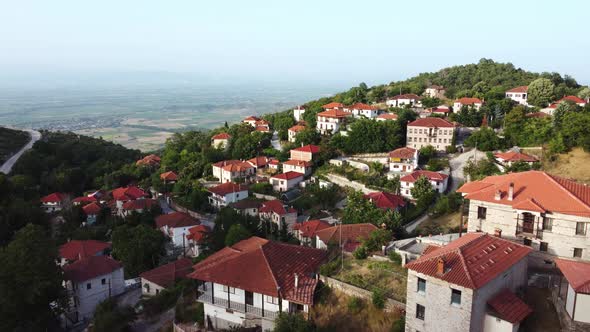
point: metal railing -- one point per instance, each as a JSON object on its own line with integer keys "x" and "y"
{"x": 241, "y": 307}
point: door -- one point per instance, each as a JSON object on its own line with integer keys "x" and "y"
{"x": 403, "y": 168}
{"x": 249, "y": 298}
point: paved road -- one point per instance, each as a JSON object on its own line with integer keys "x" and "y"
{"x": 414, "y": 224}
{"x": 459, "y": 162}
{"x": 7, "y": 166}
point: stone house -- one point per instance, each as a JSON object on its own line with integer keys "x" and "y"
{"x": 439, "y": 181}
{"x": 305, "y": 153}
{"x": 403, "y": 160}
{"x": 226, "y": 193}
{"x": 436, "y": 132}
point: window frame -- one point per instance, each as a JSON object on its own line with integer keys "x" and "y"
{"x": 88, "y": 285}
{"x": 453, "y": 296}
{"x": 584, "y": 228}
{"x": 103, "y": 281}
{"x": 578, "y": 252}
{"x": 544, "y": 245}
{"x": 547, "y": 221}
{"x": 420, "y": 311}
{"x": 273, "y": 300}
{"x": 482, "y": 212}
{"x": 228, "y": 289}
{"x": 421, "y": 281}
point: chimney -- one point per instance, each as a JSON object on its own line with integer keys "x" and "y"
{"x": 440, "y": 266}
{"x": 511, "y": 191}
{"x": 296, "y": 280}
{"x": 498, "y": 195}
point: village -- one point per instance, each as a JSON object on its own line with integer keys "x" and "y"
{"x": 418, "y": 236}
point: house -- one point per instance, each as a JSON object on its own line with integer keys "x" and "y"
{"x": 196, "y": 238}
{"x": 334, "y": 106}
{"x": 470, "y": 285}
{"x": 386, "y": 117}
{"x": 165, "y": 276}
{"x": 293, "y": 131}
{"x": 330, "y": 121}
{"x": 233, "y": 170}
{"x": 519, "y": 94}
{"x": 220, "y": 141}
{"x": 88, "y": 282}
{"x": 413, "y": 248}
{"x": 169, "y": 177}
{"x": 436, "y": 132}
{"x": 510, "y": 157}
{"x": 260, "y": 163}
{"x": 545, "y": 212}
{"x": 305, "y": 153}
{"x": 468, "y": 102}
{"x": 54, "y": 202}
{"x": 74, "y": 250}
{"x": 175, "y": 225}
{"x": 435, "y": 91}
{"x": 262, "y": 125}
{"x": 138, "y": 206}
{"x": 83, "y": 200}
{"x": 360, "y": 110}
{"x": 91, "y": 211}
{"x": 285, "y": 181}
{"x": 274, "y": 164}
{"x": 125, "y": 194}
{"x": 251, "y": 282}
{"x": 251, "y": 120}
{"x": 226, "y": 193}
{"x": 385, "y": 200}
{"x": 408, "y": 99}
{"x": 298, "y": 113}
{"x": 438, "y": 181}
{"x": 573, "y": 293}
{"x": 299, "y": 166}
{"x": 248, "y": 207}
{"x": 403, "y": 160}
{"x": 305, "y": 231}
{"x": 440, "y": 110}
{"x": 150, "y": 161}
{"x": 349, "y": 236}
{"x": 276, "y": 212}
{"x": 572, "y": 99}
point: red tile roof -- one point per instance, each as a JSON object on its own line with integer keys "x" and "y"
{"x": 406, "y": 96}
{"x": 54, "y": 198}
{"x": 431, "y": 122}
{"x": 300, "y": 163}
{"x": 333, "y": 105}
{"x": 246, "y": 204}
{"x": 574, "y": 99}
{"x": 385, "y": 200}
{"x": 167, "y": 274}
{"x": 251, "y": 118}
{"x": 128, "y": 193}
{"x": 75, "y": 249}
{"x": 262, "y": 129}
{"x": 139, "y": 204}
{"x": 297, "y": 128}
{"x": 507, "y": 306}
{"x": 308, "y": 148}
{"x": 176, "y": 219}
{"x": 233, "y": 165}
{"x": 430, "y": 248}
{"x": 552, "y": 193}
{"x": 227, "y": 188}
{"x": 362, "y": 106}
{"x": 266, "y": 267}
{"x": 472, "y": 260}
{"x": 275, "y": 206}
{"x": 519, "y": 89}
{"x": 287, "y": 176}
{"x": 221, "y": 136}
{"x": 432, "y": 176}
{"x": 169, "y": 176}
{"x": 352, "y": 234}
{"x": 515, "y": 156}
{"x": 403, "y": 153}
{"x": 310, "y": 227}
{"x": 468, "y": 101}
{"x": 198, "y": 233}
{"x": 259, "y": 161}
{"x": 440, "y": 109}
{"x": 90, "y": 267}
{"x": 84, "y": 199}
{"x": 577, "y": 274}
{"x": 387, "y": 116}
{"x": 334, "y": 113}
{"x": 149, "y": 160}
{"x": 91, "y": 209}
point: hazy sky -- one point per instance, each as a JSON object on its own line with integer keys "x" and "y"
{"x": 300, "y": 41}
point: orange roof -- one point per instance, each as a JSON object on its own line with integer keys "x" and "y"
{"x": 76, "y": 249}
{"x": 403, "y": 153}
{"x": 310, "y": 227}
{"x": 352, "y": 234}
{"x": 53, "y": 198}
{"x": 259, "y": 161}
{"x": 128, "y": 193}
{"x": 385, "y": 200}
{"x": 251, "y": 118}
{"x": 519, "y": 89}
{"x": 509, "y": 307}
{"x": 287, "y": 175}
{"x": 198, "y": 233}
{"x": 577, "y": 274}
{"x": 415, "y": 175}
{"x": 139, "y": 204}
{"x": 297, "y": 128}
{"x": 387, "y": 116}
{"x": 267, "y": 267}
{"x": 333, "y": 105}
{"x": 574, "y": 99}
{"x": 233, "y": 165}
{"x": 262, "y": 129}
{"x": 166, "y": 275}
{"x": 91, "y": 209}
{"x": 468, "y": 101}
{"x": 151, "y": 160}
{"x": 334, "y": 113}
{"x": 362, "y": 106}
{"x": 275, "y": 206}
{"x": 472, "y": 260}
{"x": 227, "y": 188}
{"x": 169, "y": 176}
{"x": 431, "y": 122}
{"x": 532, "y": 189}
{"x": 90, "y": 267}
{"x": 308, "y": 148}
{"x": 176, "y": 219}
{"x": 221, "y": 136}
{"x": 515, "y": 156}
{"x": 299, "y": 163}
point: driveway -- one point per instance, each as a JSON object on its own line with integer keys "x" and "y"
{"x": 7, "y": 166}
{"x": 459, "y": 162}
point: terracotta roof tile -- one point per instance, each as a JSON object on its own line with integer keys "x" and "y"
{"x": 176, "y": 219}
{"x": 227, "y": 188}
{"x": 301, "y": 163}
{"x": 75, "y": 249}
{"x": 297, "y": 128}
{"x": 149, "y": 160}
{"x": 167, "y": 274}
{"x": 310, "y": 227}
{"x": 139, "y": 204}
{"x": 431, "y": 122}
{"x": 169, "y": 176}
{"x": 385, "y": 200}
{"x": 403, "y": 153}
{"x": 287, "y": 176}
{"x": 333, "y": 105}
{"x": 308, "y": 148}
{"x": 352, "y": 234}
{"x": 221, "y": 136}
{"x": 198, "y": 233}
{"x": 515, "y": 156}
{"x": 54, "y": 198}
{"x": 468, "y": 101}
{"x": 509, "y": 307}
{"x": 415, "y": 175}
{"x": 84, "y": 199}
{"x": 362, "y": 106}
{"x": 387, "y": 116}
{"x": 90, "y": 267}
{"x": 334, "y": 113}
{"x": 92, "y": 209}
{"x": 275, "y": 206}
{"x": 406, "y": 96}
{"x": 577, "y": 274}
{"x": 128, "y": 193}
{"x": 519, "y": 89}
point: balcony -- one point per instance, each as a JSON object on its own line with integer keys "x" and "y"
{"x": 528, "y": 230}
{"x": 207, "y": 297}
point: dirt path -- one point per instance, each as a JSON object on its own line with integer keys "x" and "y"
{"x": 7, "y": 166}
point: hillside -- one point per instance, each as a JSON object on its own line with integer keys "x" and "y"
{"x": 10, "y": 142}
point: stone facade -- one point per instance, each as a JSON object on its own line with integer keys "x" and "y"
{"x": 439, "y": 138}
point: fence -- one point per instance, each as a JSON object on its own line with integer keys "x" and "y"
{"x": 176, "y": 207}
{"x": 265, "y": 197}
{"x": 348, "y": 289}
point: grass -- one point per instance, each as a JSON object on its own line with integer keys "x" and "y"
{"x": 573, "y": 165}
{"x": 445, "y": 224}
{"x": 369, "y": 274}
{"x": 11, "y": 141}
{"x": 333, "y": 312}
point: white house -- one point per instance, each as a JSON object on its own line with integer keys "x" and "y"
{"x": 226, "y": 193}
{"x": 305, "y": 231}
{"x": 510, "y": 157}
{"x": 330, "y": 121}
{"x": 91, "y": 211}
{"x": 573, "y": 99}
{"x": 233, "y": 170}
{"x": 197, "y": 237}
{"x": 74, "y": 250}
{"x": 432, "y": 131}
{"x": 293, "y": 131}
{"x": 249, "y": 283}
{"x": 519, "y": 94}
{"x": 334, "y": 106}
{"x": 298, "y": 166}
{"x": 88, "y": 282}
{"x": 438, "y": 181}
{"x": 54, "y": 202}
{"x": 435, "y": 91}
{"x": 403, "y": 160}
{"x": 351, "y": 237}
{"x": 573, "y": 292}
{"x": 125, "y": 194}
{"x": 278, "y": 213}
{"x": 176, "y": 226}
{"x": 285, "y": 181}
{"x": 468, "y": 285}
{"x": 298, "y": 113}
{"x": 467, "y": 101}
{"x": 137, "y": 206}
{"x": 165, "y": 276}
{"x": 248, "y": 207}
{"x": 221, "y": 140}
{"x": 408, "y": 99}
{"x": 251, "y": 120}
{"x": 360, "y": 110}
{"x": 305, "y": 153}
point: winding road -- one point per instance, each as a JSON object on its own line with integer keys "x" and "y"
{"x": 7, "y": 166}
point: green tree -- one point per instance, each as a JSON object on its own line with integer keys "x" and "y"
{"x": 541, "y": 92}
{"x": 292, "y": 322}
{"x": 422, "y": 191}
{"x": 139, "y": 248}
{"x": 480, "y": 169}
{"x": 485, "y": 139}
{"x": 584, "y": 93}
{"x": 29, "y": 281}
{"x": 235, "y": 234}
{"x": 376, "y": 239}
{"x": 108, "y": 317}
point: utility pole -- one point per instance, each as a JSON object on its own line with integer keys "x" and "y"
{"x": 461, "y": 218}
{"x": 341, "y": 249}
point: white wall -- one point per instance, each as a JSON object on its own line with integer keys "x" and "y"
{"x": 494, "y": 324}
{"x": 179, "y": 235}
{"x": 583, "y": 308}
{"x": 88, "y": 299}
{"x": 569, "y": 304}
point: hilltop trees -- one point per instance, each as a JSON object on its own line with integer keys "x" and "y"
{"x": 370, "y": 136}
{"x": 139, "y": 248}
{"x": 422, "y": 192}
{"x": 541, "y": 92}
{"x": 484, "y": 139}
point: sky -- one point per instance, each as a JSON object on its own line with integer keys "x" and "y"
{"x": 308, "y": 42}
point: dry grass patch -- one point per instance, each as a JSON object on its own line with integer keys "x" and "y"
{"x": 448, "y": 223}
{"x": 573, "y": 165}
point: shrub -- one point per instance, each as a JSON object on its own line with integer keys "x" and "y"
{"x": 360, "y": 252}
{"x": 378, "y": 298}
{"x": 331, "y": 268}
{"x": 261, "y": 188}
{"x": 355, "y": 304}
{"x": 399, "y": 325}
{"x": 395, "y": 257}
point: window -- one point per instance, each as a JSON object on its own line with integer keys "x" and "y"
{"x": 481, "y": 212}
{"x": 580, "y": 228}
{"x": 420, "y": 311}
{"x": 543, "y": 246}
{"x": 421, "y": 285}
{"x": 88, "y": 286}
{"x": 230, "y": 290}
{"x": 578, "y": 252}
{"x": 103, "y": 281}
{"x": 528, "y": 217}
{"x": 547, "y": 224}
{"x": 271, "y": 299}
{"x": 455, "y": 296}
{"x": 527, "y": 242}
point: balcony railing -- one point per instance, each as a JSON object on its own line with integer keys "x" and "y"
{"x": 241, "y": 307}
{"x": 529, "y": 230}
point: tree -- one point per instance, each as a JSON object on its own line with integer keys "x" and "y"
{"x": 110, "y": 318}
{"x": 426, "y": 153}
{"x": 29, "y": 281}
{"x": 139, "y": 248}
{"x": 376, "y": 239}
{"x": 235, "y": 234}
{"x": 292, "y": 322}
{"x": 480, "y": 169}
{"x": 584, "y": 93}
{"x": 484, "y": 139}
{"x": 422, "y": 191}
{"x": 541, "y": 92}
